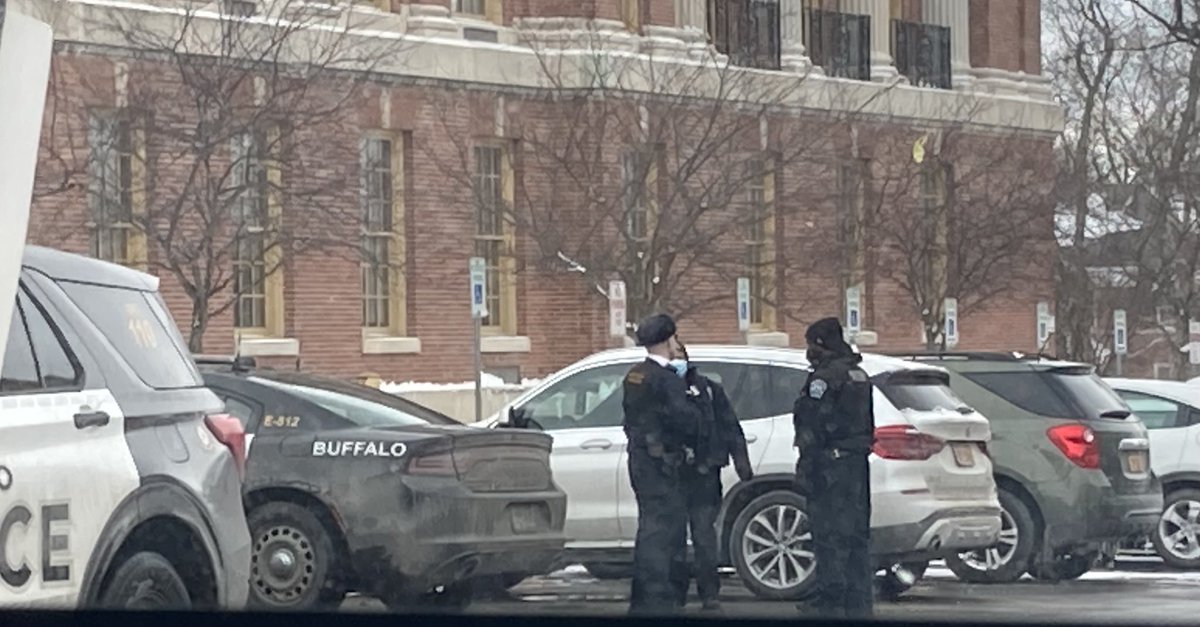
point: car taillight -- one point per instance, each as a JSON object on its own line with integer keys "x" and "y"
{"x": 435, "y": 465}
{"x": 905, "y": 442}
{"x": 1078, "y": 443}
{"x": 230, "y": 432}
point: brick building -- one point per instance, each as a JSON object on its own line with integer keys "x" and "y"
{"x": 448, "y": 136}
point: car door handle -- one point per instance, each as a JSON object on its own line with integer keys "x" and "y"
{"x": 594, "y": 444}
{"x": 86, "y": 419}
{"x": 751, "y": 439}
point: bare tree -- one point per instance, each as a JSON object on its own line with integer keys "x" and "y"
{"x": 219, "y": 150}
{"x": 674, "y": 177}
{"x": 959, "y": 214}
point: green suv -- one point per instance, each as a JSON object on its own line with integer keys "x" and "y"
{"x": 1072, "y": 465}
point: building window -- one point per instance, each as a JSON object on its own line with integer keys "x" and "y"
{"x": 747, "y": 31}
{"x": 632, "y": 14}
{"x": 257, "y": 262}
{"x": 639, "y": 179}
{"x": 1164, "y": 315}
{"x": 840, "y": 43}
{"x": 116, "y": 188}
{"x": 493, "y": 183}
{"x": 760, "y": 244}
{"x": 491, "y": 10}
{"x": 383, "y": 288}
{"x": 922, "y": 53}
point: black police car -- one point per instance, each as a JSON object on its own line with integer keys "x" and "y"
{"x": 352, "y": 489}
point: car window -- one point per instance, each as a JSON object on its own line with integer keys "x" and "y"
{"x": 1155, "y": 412}
{"x": 138, "y": 325}
{"x": 1089, "y": 393}
{"x": 35, "y": 358}
{"x": 356, "y": 408}
{"x": 1027, "y": 390}
{"x": 243, "y": 411}
{"x": 750, "y": 388}
{"x": 58, "y": 369}
{"x": 785, "y": 388}
{"x": 922, "y": 391}
{"x": 20, "y": 370}
{"x": 592, "y": 398}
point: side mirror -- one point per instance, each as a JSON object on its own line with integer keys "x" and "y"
{"x": 519, "y": 418}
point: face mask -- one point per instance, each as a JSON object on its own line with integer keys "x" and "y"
{"x": 680, "y": 366}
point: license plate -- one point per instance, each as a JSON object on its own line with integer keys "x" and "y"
{"x": 1136, "y": 463}
{"x": 964, "y": 455}
{"x": 526, "y": 519}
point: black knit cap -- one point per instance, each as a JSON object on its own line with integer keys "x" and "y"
{"x": 655, "y": 329}
{"x": 828, "y": 334}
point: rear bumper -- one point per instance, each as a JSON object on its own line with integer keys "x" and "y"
{"x": 1113, "y": 518}
{"x": 943, "y": 532}
{"x": 445, "y": 534}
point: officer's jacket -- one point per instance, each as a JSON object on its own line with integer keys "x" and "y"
{"x": 721, "y": 436}
{"x": 835, "y": 412}
{"x": 657, "y": 409}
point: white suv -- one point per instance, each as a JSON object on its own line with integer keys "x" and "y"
{"x": 1171, "y": 412}
{"x": 932, "y": 486}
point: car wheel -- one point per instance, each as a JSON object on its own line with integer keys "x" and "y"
{"x": 292, "y": 560}
{"x": 772, "y": 547}
{"x": 146, "y": 581}
{"x": 608, "y": 571}
{"x": 897, "y": 579}
{"x": 1008, "y": 559}
{"x": 1177, "y": 537}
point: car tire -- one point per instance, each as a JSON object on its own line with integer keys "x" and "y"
{"x": 293, "y": 565}
{"x": 145, "y": 581}
{"x": 897, "y": 579}
{"x": 757, "y": 519}
{"x": 1008, "y": 560}
{"x": 1172, "y": 522}
{"x": 608, "y": 571}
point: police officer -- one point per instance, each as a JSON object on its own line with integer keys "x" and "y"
{"x": 718, "y": 438}
{"x": 835, "y": 426}
{"x": 659, "y": 418}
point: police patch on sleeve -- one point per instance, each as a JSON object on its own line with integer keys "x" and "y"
{"x": 817, "y": 388}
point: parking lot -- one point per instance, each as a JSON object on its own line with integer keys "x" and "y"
{"x": 1135, "y": 591}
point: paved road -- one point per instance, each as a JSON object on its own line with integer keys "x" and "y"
{"x": 1131, "y": 594}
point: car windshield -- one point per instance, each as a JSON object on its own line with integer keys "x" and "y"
{"x": 359, "y": 409}
{"x": 917, "y": 392}
{"x": 1090, "y": 394}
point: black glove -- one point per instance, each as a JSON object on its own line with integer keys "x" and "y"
{"x": 804, "y": 478}
{"x": 743, "y": 469}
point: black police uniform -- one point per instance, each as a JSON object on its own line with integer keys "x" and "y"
{"x": 835, "y": 426}
{"x": 658, "y": 419}
{"x": 719, "y": 438}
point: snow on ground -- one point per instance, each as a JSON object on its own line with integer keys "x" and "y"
{"x": 488, "y": 382}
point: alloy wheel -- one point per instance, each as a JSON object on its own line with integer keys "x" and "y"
{"x": 998, "y": 554}
{"x": 1179, "y": 529}
{"x": 778, "y": 547}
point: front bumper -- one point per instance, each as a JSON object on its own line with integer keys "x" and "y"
{"x": 448, "y": 534}
{"x": 947, "y": 531}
